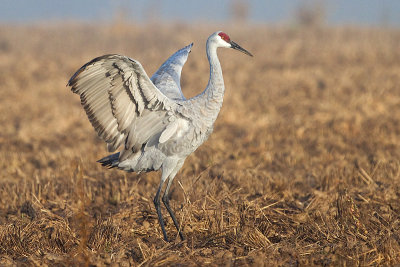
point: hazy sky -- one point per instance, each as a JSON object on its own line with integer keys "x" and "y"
{"x": 364, "y": 12}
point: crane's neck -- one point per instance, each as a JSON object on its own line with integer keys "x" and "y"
{"x": 212, "y": 96}
{"x": 215, "y": 88}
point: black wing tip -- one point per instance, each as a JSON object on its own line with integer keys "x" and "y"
{"x": 72, "y": 80}
{"x": 110, "y": 161}
{"x": 108, "y": 164}
{"x": 190, "y": 47}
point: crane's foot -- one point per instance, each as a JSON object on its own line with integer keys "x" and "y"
{"x": 165, "y": 200}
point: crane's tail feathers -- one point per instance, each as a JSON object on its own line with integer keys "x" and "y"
{"x": 110, "y": 161}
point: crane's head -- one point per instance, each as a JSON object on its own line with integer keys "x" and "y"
{"x": 223, "y": 40}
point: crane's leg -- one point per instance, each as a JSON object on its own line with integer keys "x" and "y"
{"x": 169, "y": 169}
{"x": 165, "y": 199}
{"x": 158, "y": 209}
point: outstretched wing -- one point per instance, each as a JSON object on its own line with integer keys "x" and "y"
{"x": 121, "y": 102}
{"x": 168, "y": 76}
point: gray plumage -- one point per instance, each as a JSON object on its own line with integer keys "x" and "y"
{"x": 150, "y": 119}
{"x": 168, "y": 77}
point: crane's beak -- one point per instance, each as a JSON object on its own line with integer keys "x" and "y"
{"x": 238, "y": 47}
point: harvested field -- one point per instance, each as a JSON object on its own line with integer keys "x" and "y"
{"x": 303, "y": 167}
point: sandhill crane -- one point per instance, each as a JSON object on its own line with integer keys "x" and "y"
{"x": 150, "y": 118}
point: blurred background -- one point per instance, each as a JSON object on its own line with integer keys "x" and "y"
{"x": 331, "y": 12}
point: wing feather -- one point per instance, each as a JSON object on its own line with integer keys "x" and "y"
{"x": 168, "y": 77}
{"x": 121, "y": 102}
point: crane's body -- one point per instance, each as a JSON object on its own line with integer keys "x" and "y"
{"x": 150, "y": 118}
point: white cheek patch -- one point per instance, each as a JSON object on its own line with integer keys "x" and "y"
{"x": 175, "y": 129}
{"x": 223, "y": 43}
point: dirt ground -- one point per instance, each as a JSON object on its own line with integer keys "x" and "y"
{"x": 303, "y": 167}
